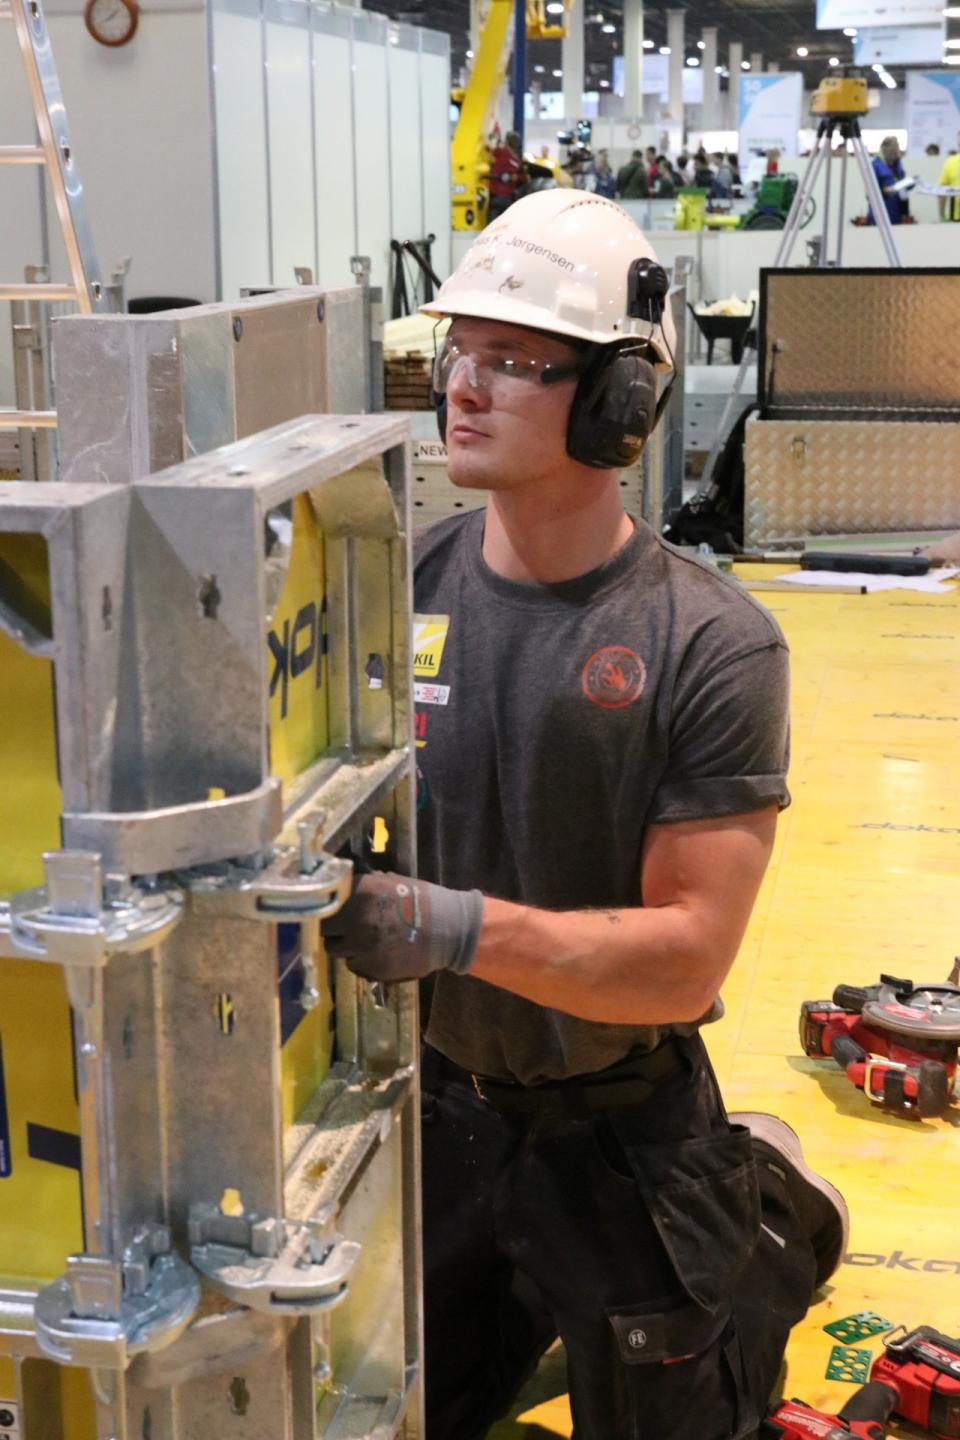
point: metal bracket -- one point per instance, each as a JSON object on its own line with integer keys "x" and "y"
{"x": 271, "y": 1264}
{"x": 300, "y": 882}
{"x": 79, "y": 918}
{"x": 103, "y": 1312}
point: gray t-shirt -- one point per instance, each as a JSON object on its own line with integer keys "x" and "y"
{"x": 554, "y": 724}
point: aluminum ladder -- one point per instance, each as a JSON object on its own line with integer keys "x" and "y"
{"x": 54, "y": 153}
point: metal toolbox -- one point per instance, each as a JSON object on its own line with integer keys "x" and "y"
{"x": 859, "y": 388}
{"x": 847, "y": 477}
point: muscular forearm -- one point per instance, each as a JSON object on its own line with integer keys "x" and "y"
{"x": 631, "y": 966}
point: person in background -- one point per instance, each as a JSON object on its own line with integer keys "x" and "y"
{"x": 666, "y": 187}
{"x": 773, "y": 161}
{"x": 606, "y": 180}
{"x": 722, "y": 186}
{"x": 632, "y": 179}
{"x": 702, "y": 173}
{"x": 684, "y": 169}
{"x": 932, "y": 149}
{"x": 949, "y": 205}
{"x": 653, "y": 167}
{"x": 888, "y": 168}
{"x": 507, "y": 174}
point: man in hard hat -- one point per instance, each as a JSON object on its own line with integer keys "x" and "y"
{"x": 604, "y": 757}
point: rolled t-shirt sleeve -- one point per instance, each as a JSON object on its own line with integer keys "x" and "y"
{"x": 729, "y": 739}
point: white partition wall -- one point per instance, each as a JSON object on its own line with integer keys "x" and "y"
{"x": 293, "y": 241}
{"x": 406, "y": 134}
{"x": 345, "y": 117}
{"x": 239, "y": 109}
{"x": 372, "y": 140}
{"x": 435, "y": 129}
{"x": 333, "y": 147}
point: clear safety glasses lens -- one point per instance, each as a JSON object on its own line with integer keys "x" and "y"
{"x": 484, "y": 369}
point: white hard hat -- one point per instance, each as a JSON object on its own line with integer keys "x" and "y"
{"x": 558, "y": 261}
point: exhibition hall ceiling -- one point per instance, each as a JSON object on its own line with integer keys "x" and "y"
{"x": 774, "y": 29}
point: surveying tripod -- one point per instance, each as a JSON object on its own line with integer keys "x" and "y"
{"x": 847, "y": 125}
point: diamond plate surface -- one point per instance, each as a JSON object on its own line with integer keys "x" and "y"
{"x": 852, "y": 340}
{"x": 835, "y": 477}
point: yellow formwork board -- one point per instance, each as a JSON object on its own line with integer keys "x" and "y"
{"x": 299, "y": 733}
{"x": 865, "y": 877}
{"x": 39, "y": 1194}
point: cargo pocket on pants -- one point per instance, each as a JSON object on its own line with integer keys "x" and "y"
{"x": 703, "y": 1198}
{"x": 681, "y": 1374}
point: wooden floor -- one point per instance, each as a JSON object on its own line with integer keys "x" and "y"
{"x": 865, "y": 878}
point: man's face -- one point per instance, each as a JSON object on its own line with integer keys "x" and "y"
{"x": 504, "y": 431}
{"x": 892, "y": 153}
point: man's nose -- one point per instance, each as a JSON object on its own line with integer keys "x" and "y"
{"x": 464, "y": 385}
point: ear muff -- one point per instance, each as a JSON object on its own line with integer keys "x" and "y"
{"x": 614, "y": 409}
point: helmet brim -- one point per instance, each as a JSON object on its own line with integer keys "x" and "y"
{"x": 481, "y": 305}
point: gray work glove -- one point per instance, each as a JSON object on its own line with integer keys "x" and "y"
{"x": 395, "y": 928}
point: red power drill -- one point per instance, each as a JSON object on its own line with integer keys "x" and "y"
{"x": 896, "y": 1041}
{"x": 921, "y": 1368}
{"x": 863, "y": 1416}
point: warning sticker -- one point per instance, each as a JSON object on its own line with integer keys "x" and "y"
{"x": 9, "y": 1420}
{"x": 426, "y": 694}
{"x": 429, "y": 638}
{"x": 6, "y": 1165}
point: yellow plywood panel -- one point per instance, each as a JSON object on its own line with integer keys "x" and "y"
{"x": 297, "y": 651}
{"x": 864, "y": 879}
{"x": 299, "y": 733}
{"x": 40, "y": 1218}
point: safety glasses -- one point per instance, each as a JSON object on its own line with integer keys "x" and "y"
{"x": 497, "y": 368}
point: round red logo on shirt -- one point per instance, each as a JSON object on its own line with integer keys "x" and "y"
{"x": 614, "y": 677}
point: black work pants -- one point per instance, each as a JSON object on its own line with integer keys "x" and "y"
{"x": 638, "y": 1234}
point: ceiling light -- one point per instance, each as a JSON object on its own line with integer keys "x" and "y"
{"x": 802, "y": 51}
{"x": 701, "y": 44}
{"x": 557, "y": 74}
{"x": 952, "y": 12}
{"x": 833, "y": 60}
{"x": 951, "y": 44}
{"x": 556, "y": 8}
{"x": 609, "y": 29}
{"x": 538, "y": 69}
{"x": 887, "y": 79}
{"x": 604, "y": 84}
{"x": 692, "y": 61}
{"x": 850, "y": 30}
{"x": 718, "y": 69}
{"x": 951, "y": 59}
{"x": 876, "y": 68}
{"x": 648, "y": 45}
{"x": 597, "y": 19}
{"x": 664, "y": 49}
{"x": 744, "y": 64}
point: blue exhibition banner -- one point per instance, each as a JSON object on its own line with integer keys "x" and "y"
{"x": 770, "y": 109}
{"x": 933, "y": 110}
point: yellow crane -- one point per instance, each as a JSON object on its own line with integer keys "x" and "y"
{"x": 470, "y": 157}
